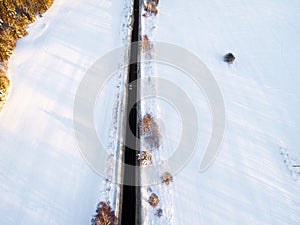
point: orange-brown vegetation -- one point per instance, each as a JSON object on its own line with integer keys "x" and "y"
{"x": 150, "y": 131}
{"x": 150, "y": 7}
{"x": 145, "y": 44}
{"x": 15, "y": 15}
{"x": 153, "y": 200}
{"x": 146, "y": 158}
{"x": 105, "y": 215}
{"x": 167, "y": 178}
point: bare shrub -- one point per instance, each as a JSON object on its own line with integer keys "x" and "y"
{"x": 229, "y": 58}
{"x": 147, "y": 122}
{"x": 153, "y": 200}
{"x": 150, "y": 7}
{"x": 150, "y": 131}
{"x": 145, "y": 44}
{"x": 159, "y": 213}
{"x": 105, "y": 215}
{"x": 167, "y": 178}
{"x": 146, "y": 158}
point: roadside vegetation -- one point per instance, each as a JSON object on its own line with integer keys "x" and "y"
{"x": 150, "y": 131}
{"x": 145, "y": 158}
{"x": 104, "y": 215}
{"x": 15, "y": 15}
{"x": 167, "y": 178}
{"x": 229, "y": 58}
{"x": 153, "y": 200}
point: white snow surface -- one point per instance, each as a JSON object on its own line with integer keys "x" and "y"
{"x": 253, "y": 180}
{"x": 43, "y": 177}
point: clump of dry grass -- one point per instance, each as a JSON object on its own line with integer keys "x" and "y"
{"x": 105, "y": 215}
{"x": 15, "y": 15}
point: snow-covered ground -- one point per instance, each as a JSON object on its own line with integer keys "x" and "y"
{"x": 253, "y": 180}
{"x": 43, "y": 178}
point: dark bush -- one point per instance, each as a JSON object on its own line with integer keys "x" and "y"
{"x": 159, "y": 213}
{"x": 229, "y": 58}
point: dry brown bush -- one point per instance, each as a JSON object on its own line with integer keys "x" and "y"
{"x": 105, "y": 215}
{"x": 146, "y": 123}
{"x": 167, "y": 178}
{"x": 150, "y": 131}
{"x": 153, "y": 200}
{"x": 146, "y": 158}
{"x": 150, "y": 7}
{"x": 145, "y": 44}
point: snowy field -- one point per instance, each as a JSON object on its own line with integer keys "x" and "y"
{"x": 253, "y": 180}
{"x": 44, "y": 179}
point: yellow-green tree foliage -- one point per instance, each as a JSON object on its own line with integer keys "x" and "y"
{"x": 15, "y": 15}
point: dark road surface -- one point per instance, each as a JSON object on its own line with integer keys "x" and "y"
{"x": 130, "y": 195}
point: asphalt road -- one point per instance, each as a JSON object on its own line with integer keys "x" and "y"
{"x": 130, "y": 196}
